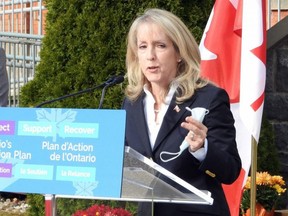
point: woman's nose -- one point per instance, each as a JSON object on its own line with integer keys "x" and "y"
{"x": 151, "y": 54}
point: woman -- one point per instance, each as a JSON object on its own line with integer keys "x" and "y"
{"x": 163, "y": 79}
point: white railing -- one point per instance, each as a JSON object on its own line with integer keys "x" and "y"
{"x": 21, "y": 32}
{"x": 22, "y": 54}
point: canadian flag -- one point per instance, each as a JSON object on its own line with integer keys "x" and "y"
{"x": 233, "y": 53}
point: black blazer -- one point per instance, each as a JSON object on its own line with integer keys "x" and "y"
{"x": 221, "y": 165}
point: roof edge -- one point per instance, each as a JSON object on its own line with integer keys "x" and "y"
{"x": 277, "y": 32}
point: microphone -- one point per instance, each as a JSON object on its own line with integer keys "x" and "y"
{"x": 110, "y": 82}
{"x": 114, "y": 80}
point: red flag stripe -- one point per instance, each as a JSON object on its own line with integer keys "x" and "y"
{"x": 258, "y": 103}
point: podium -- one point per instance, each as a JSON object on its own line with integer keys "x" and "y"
{"x": 143, "y": 182}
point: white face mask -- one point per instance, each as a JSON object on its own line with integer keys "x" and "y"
{"x": 198, "y": 113}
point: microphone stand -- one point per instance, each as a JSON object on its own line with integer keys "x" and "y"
{"x": 71, "y": 95}
{"x": 102, "y": 96}
{"x": 110, "y": 82}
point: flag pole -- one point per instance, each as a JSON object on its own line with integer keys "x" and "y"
{"x": 253, "y": 176}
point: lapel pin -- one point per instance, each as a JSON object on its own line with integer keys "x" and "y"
{"x": 177, "y": 109}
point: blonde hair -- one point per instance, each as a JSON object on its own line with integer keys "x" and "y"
{"x": 188, "y": 74}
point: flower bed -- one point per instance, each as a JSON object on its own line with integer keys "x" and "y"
{"x": 102, "y": 210}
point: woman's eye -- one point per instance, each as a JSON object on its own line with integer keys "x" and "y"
{"x": 142, "y": 46}
{"x": 161, "y": 45}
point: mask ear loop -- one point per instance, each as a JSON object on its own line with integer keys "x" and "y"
{"x": 182, "y": 147}
{"x": 177, "y": 154}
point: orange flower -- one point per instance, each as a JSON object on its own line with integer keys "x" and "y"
{"x": 268, "y": 190}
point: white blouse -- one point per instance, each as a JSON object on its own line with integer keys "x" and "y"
{"x": 154, "y": 126}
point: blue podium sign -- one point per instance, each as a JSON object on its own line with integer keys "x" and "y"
{"x": 77, "y": 152}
